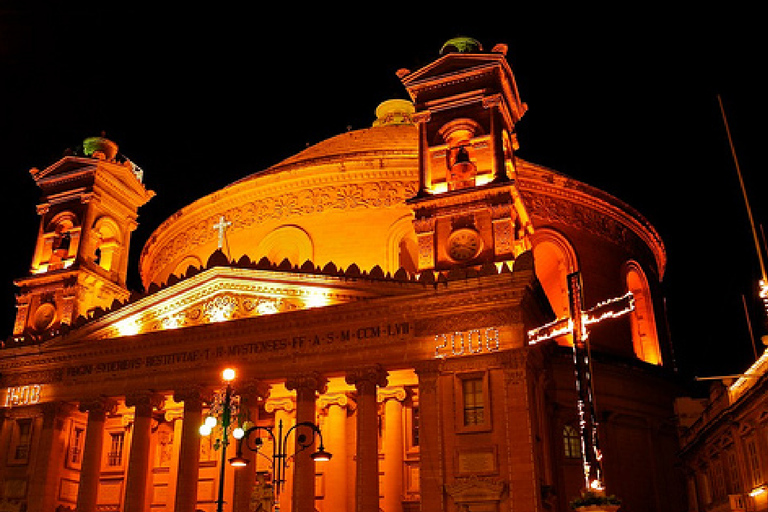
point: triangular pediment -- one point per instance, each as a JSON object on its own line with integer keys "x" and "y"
{"x": 121, "y": 176}
{"x": 453, "y": 63}
{"x": 457, "y": 75}
{"x": 223, "y": 294}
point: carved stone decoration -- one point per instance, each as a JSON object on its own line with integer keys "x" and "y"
{"x": 476, "y": 494}
{"x": 578, "y": 216}
{"x": 145, "y": 401}
{"x": 377, "y": 194}
{"x": 312, "y": 381}
{"x": 367, "y": 378}
{"x": 98, "y": 405}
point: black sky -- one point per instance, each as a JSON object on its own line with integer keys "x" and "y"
{"x": 200, "y": 97}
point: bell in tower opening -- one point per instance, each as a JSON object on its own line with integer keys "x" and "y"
{"x": 462, "y": 172}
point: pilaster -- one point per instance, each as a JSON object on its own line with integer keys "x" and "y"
{"x": 431, "y": 453}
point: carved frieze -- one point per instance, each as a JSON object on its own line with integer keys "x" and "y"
{"x": 576, "y": 215}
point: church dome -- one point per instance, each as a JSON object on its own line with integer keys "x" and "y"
{"x": 357, "y": 182}
{"x": 343, "y": 200}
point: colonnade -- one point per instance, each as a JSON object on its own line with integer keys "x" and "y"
{"x": 299, "y": 398}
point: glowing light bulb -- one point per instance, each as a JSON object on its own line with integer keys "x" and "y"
{"x": 238, "y": 433}
{"x": 228, "y": 374}
{"x": 205, "y": 430}
{"x": 210, "y": 422}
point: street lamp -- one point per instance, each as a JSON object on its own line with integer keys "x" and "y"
{"x": 279, "y": 449}
{"x": 225, "y": 406}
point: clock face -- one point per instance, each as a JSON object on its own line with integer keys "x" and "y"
{"x": 464, "y": 244}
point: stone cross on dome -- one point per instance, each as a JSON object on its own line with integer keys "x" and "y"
{"x": 221, "y": 227}
{"x": 576, "y": 324}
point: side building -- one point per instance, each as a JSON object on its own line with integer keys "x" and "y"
{"x": 724, "y": 443}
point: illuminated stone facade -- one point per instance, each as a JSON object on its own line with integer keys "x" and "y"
{"x": 401, "y": 267}
{"x": 723, "y": 441}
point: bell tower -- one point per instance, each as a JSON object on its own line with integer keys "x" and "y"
{"x": 467, "y": 211}
{"x": 88, "y": 210}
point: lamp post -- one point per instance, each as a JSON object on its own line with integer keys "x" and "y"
{"x": 279, "y": 449}
{"x": 225, "y": 406}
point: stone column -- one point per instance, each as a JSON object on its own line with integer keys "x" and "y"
{"x": 44, "y": 488}
{"x": 393, "y": 447}
{"x": 138, "y": 459}
{"x": 421, "y": 119}
{"x": 365, "y": 381}
{"x": 335, "y": 436}
{"x": 430, "y": 438}
{"x": 307, "y": 386}
{"x": 282, "y": 407}
{"x": 251, "y": 395}
{"x": 189, "y": 450}
{"x": 90, "y": 468}
{"x": 497, "y": 145}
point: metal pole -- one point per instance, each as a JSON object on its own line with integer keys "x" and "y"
{"x": 743, "y": 191}
{"x": 749, "y": 325}
{"x": 225, "y": 420}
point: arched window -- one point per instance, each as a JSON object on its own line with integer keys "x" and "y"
{"x": 645, "y": 340}
{"x": 402, "y": 249}
{"x": 286, "y": 242}
{"x": 554, "y": 259}
{"x": 108, "y": 244}
{"x": 58, "y": 245}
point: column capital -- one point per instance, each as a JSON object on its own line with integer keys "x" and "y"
{"x": 430, "y": 366}
{"x": 311, "y": 381}
{"x": 52, "y": 410}
{"x": 287, "y": 404}
{"x": 145, "y": 400}
{"x": 494, "y": 100}
{"x": 397, "y": 393}
{"x": 98, "y": 405}
{"x": 255, "y": 388}
{"x": 193, "y": 395}
{"x": 368, "y": 377}
{"x": 340, "y": 399}
{"x": 421, "y": 117}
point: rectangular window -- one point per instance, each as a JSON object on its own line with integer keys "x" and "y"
{"x": 472, "y": 409}
{"x": 76, "y": 447}
{"x": 23, "y": 439}
{"x": 115, "y": 455}
{"x": 718, "y": 480}
{"x": 474, "y": 401}
{"x": 415, "y": 426}
{"x": 571, "y": 443}
{"x": 754, "y": 462}
{"x": 733, "y": 474}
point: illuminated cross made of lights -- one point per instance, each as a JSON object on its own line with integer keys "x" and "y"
{"x": 221, "y": 227}
{"x": 576, "y": 324}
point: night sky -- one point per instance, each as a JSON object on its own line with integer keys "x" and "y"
{"x": 202, "y": 96}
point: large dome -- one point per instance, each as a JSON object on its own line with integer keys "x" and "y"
{"x": 343, "y": 200}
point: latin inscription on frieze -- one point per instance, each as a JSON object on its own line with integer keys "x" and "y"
{"x": 298, "y": 343}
